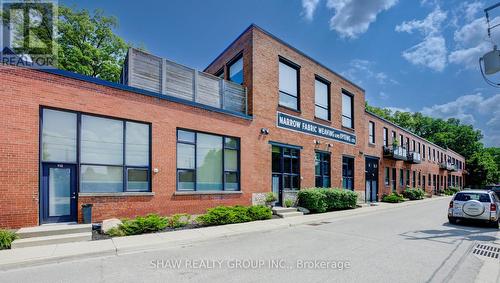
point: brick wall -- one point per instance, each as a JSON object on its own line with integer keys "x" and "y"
{"x": 25, "y": 91}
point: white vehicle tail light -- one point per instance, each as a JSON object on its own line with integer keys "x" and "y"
{"x": 493, "y": 211}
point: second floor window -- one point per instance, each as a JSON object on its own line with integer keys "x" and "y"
{"x": 393, "y": 137}
{"x": 347, "y": 111}
{"x": 288, "y": 85}
{"x": 235, "y": 69}
{"x": 386, "y": 138}
{"x": 322, "y": 99}
{"x": 371, "y": 132}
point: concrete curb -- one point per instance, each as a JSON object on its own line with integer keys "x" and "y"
{"x": 30, "y": 256}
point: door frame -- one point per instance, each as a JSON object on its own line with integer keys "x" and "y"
{"x": 44, "y": 194}
{"x": 374, "y": 160}
{"x": 282, "y": 172}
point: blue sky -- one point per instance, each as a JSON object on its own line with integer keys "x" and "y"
{"x": 410, "y": 55}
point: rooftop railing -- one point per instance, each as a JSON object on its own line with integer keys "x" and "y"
{"x": 152, "y": 73}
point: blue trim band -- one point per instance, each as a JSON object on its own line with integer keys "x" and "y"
{"x": 285, "y": 145}
{"x": 170, "y": 98}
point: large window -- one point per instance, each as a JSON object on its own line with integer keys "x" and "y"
{"x": 348, "y": 173}
{"x": 288, "y": 84}
{"x": 371, "y": 132}
{"x": 347, "y": 110}
{"x": 114, "y": 155}
{"x": 235, "y": 69}
{"x": 322, "y": 98}
{"x": 408, "y": 178}
{"x": 387, "y": 170}
{"x": 207, "y": 162}
{"x": 322, "y": 170}
{"x": 393, "y": 133}
{"x": 386, "y": 136}
{"x": 401, "y": 178}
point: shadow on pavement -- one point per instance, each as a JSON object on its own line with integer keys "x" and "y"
{"x": 462, "y": 231}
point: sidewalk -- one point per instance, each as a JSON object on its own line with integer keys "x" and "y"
{"x": 23, "y": 257}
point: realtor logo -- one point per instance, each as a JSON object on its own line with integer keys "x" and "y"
{"x": 27, "y": 32}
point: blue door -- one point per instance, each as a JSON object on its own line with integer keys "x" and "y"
{"x": 58, "y": 194}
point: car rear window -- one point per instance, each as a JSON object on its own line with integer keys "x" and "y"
{"x": 472, "y": 196}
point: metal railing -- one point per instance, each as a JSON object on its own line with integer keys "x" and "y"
{"x": 395, "y": 152}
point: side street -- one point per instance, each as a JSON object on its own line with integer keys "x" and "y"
{"x": 374, "y": 243}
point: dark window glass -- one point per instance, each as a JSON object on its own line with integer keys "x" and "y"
{"x": 348, "y": 173}
{"x": 322, "y": 169}
{"x": 371, "y": 132}
{"x": 137, "y": 179}
{"x": 386, "y": 137}
{"x": 288, "y": 85}
{"x": 387, "y": 176}
{"x": 236, "y": 71}
{"x": 401, "y": 178}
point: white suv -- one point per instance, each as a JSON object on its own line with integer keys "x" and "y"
{"x": 475, "y": 205}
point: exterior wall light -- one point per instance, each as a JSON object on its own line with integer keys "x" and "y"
{"x": 330, "y": 145}
{"x": 264, "y": 131}
{"x": 317, "y": 142}
{"x": 156, "y": 170}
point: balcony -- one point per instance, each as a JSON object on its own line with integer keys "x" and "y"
{"x": 183, "y": 84}
{"x": 395, "y": 152}
{"x": 414, "y": 157}
{"x": 448, "y": 166}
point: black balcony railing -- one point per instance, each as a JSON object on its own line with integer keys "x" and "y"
{"x": 395, "y": 152}
{"x": 414, "y": 157}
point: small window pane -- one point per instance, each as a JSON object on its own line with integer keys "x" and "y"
{"x": 236, "y": 71}
{"x": 295, "y": 182}
{"x": 287, "y": 79}
{"x": 58, "y": 136}
{"x": 230, "y": 160}
{"x": 137, "y": 144}
{"x": 101, "y": 140}
{"x": 326, "y": 182}
{"x": 186, "y": 180}
{"x": 231, "y": 143}
{"x": 185, "y": 136}
{"x": 231, "y": 181}
{"x": 346, "y": 122}
{"x": 288, "y": 101}
{"x": 101, "y": 179}
{"x": 321, "y": 113}
{"x": 185, "y": 156}
{"x": 137, "y": 179}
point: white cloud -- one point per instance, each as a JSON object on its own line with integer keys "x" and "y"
{"x": 398, "y": 109}
{"x": 353, "y": 17}
{"x": 308, "y": 8}
{"x": 429, "y": 26}
{"x": 471, "y": 43}
{"x": 430, "y": 53}
{"x": 360, "y": 69}
{"x": 383, "y": 95}
{"x": 472, "y": 8}
{"x": 469, "y": 109}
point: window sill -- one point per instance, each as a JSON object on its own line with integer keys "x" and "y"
{"x": 348, "y": 129}
{"x": 122, "y": 194}
{"x": 182, "y": 193}
{"x": 286, "y": 108}
{"x": 322, "y": 121}
{"x": 371, "y": 144}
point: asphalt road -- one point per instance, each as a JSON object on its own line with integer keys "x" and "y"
{"x": 412, "y": 244}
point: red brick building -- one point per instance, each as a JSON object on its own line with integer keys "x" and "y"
{"x": 262, "y": 117}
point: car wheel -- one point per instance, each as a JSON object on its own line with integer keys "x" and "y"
{"x": 452, "y": 220}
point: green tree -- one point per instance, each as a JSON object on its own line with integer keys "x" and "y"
{"x": 87, "y": 44}
{"x": 482, "y": 168}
